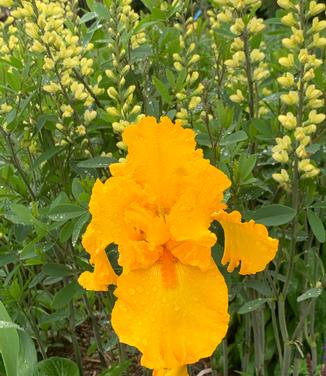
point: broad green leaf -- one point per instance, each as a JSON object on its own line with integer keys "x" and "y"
{"x": 97, "y": 162}
{"x": 56, "y": 270}
{"x": 66, "y": 294}
{"x": 66, "y": 211}
{"x": 309, "y": 294}
{"x": 246, "y": 165}
{"x": 57, "y": 366}
{"x": 162, "y": 89}
{"x": 274, "y": 215}
{"x": 9, "y": 344}
{"x": 66, "y": 231}
{"x": 252, "y": 305}
{"x": 234, "y": 138}
{"x": 20, "y": 214}
{"x": 316, "y": 225}
{"x": 27, "y": 358}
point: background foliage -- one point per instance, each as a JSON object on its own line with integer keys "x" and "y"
{"x": 72, "y": 77}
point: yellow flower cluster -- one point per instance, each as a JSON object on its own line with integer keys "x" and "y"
{"x": 301, "y": 98}
{"x": 246, "y": 68}
{"x": 122, "y": 107}
{"x": 189, "y": 97}
{"x": 67, "y": 69}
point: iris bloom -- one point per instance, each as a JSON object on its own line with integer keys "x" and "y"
{"x": 172, "y": 301}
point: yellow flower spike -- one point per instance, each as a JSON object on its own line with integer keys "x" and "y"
{"x": 159, "y": 213}
{"x": 239, "y": 240}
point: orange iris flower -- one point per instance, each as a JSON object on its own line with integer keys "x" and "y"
{"x": 172, "y": 301}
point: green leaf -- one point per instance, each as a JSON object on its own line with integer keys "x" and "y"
{"x": 78, "y": 227}
{"x": 246, "y": 165}
{"x": 87, "y": 17}
{"x": 252, "y": 305}
{"x": 56, "y": 270}
{"x": 20, "y": 214}
{"x": 65, "y": 212}
{"x": 97, "y": 162}
{"x": 27, "y": 358}
{"x": 57, "y": 366}
{"x": 9, "y": 344}
{"x": 309, "y": 294}
{"x": 66, "y": 294}
{"x": 234, "y": 138}
{"x": 48, "y": 155}
{"x": 274, "y": 215}
{"x": 316, "y": 225}
{"x": 162, "y": 89}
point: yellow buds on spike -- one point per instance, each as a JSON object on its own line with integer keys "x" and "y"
{"x": 194, "y": 102}
{"x": 287, "y": 80}
{"x": 282, "y": 177}
{"x": 89, "y": 115}
{"x": 315, "y": 8}
{"x": 316, "y": 118}
{"x": 287, "y": 62}
{"x": 289, "y": 20}
{"x": 238, "y": 97}
{"x": 292, "y": 98}
{"x": 285, "y": 4}
{"x": 288, "y": 121}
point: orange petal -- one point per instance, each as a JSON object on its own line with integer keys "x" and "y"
{"x": 246, "y": 242}
{"x": 191, "y": 216}
{"x": 110, "y": 205}
{"x": 160, "y": 156}
{"x": 172, "y": 324}
{"x": 180, "y": 371}
{"x": 102, "y": 276}
{"x": 108, "y": 202}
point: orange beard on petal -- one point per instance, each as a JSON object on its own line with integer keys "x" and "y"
{"x": 168, "y": 268}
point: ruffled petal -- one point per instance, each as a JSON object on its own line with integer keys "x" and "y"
{"x": 102, "y": 276}
{"x": 115, "y": 220}
{"x": 174, "y": 315}
{"x": 191, "y": 216}
{"x": 180, "y": 371}
{"x": 245, "y": 242}
{"x": 160, "y": 156}
{"x": 108, "y": 203}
